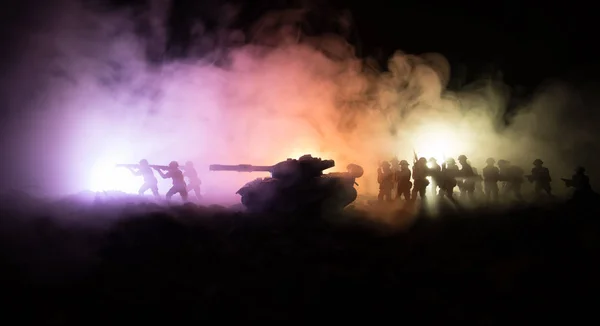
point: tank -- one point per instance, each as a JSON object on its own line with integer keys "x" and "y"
{"x": 297, "y": 185}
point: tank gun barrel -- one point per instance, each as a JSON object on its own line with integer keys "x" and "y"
{"x": 240, "y": 168}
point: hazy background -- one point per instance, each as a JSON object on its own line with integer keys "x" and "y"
{"x": 85, "y": 85}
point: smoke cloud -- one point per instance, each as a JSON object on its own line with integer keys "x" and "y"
{"x": 87, "y": 88}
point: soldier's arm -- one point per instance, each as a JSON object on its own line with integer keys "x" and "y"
{"x": 162, "y": 174}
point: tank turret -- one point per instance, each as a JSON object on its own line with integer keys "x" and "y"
{"x": 297, "y": 185}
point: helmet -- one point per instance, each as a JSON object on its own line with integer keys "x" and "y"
{"x": 144, "y": 162}
{"x": 503, "y": 162}
{"x": 462, "y": 158}
{"x": 491, "y": 160}
{"x": 355, "y": 170}
{"x": 432, "y": 159}
{"x": 394, "y": 160}
{"x": 450, "y": 160}
{"x": 423, "y": 160}
{"x": 580, "y": 169}
{"x": 173, "y": 164}
{"x": 404, "y": 163}
{"x": 189, "y": 164}
{"x": 385, "y": 163}
{"x": 538, "y": 162}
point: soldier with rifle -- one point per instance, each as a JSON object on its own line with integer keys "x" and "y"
{"x": 385, "y": 178}
{"x": 403, "y": 181}
{"x": 176, "y": 175}
{"x": 581, "y": 182}
{"x": 540, "y": 177}
{"x": 467, "y": 179}
{"x": 450, "y": 173}
{"x": 419, "y": 175}
{"x": 491, "y": 175}
{"x": 144, "y": 169}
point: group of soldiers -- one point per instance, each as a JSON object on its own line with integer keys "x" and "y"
{"x": 174, "y": 172}
{"x": 444, "y": 178}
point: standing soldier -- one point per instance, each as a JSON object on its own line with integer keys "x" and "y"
{"x": 150, "y": 181}
{"x": 540, "y": 176}
{"x": 478, "y": 180}
{"x": 491, "y": 175}
{"x": 467, "y": 182}
{"x": 512, "y": 176}
{"x": 435, "y": 171}
{"x": 419, "y": 175}
{"x": 395, "y": 166}
{"x": 194, "y": 181}
{"x": 581, "y": 183}
{"x": 385, "y": 177}
{"x": 403, "y": 181}
{"x": 449, "y": 174}
{"x": 176, "y": 175}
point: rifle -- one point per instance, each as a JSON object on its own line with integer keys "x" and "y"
{"x": 137, "y": 166}
{"x": 416, "y": 158}
{"x": 568, "y": 182}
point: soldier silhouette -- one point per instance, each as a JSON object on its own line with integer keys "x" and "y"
{"x": 435, "y": 171}
{"x": 385, "y": 177}
{"x": 419, "y": 175}
{"x": 176, "y": 175}
{"x": 403, "y": 181}
{"x": 449, "y": 174}
{"x": 193, "y": 179}
{"x": 540, "y": 176}
{"x": 491, "y": 175}
{"x": 512, "y": 176}
{"x": 395, "y": 166}
{"x": 581, "y": 182}
{"x": 150, "y": 181}
{"x": 477, "y": 180}
{"x": 467, "y": 181}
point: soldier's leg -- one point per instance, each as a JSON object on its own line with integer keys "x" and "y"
{"x": 463, "y": 190}
{"x": 450, "y": 194}
{"x": 155, "y": 190}
{"x": 197, "y": 192}
{"x": 143, "y": 189}
{"x": 507, "y": 191}
{"x": 171, "y": 192}
{"x": 407, "y": 194}
{"x": 517, "y": 191}
{"x": 184, "y": 193}
{"x": 548, "y": 189}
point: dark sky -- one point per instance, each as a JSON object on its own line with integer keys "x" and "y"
{"x": 528, "y": 41}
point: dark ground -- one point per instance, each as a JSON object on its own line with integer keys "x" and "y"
{"x": 190, "y": 263}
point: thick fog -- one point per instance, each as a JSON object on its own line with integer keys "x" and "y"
{"x": 80, "y": 94}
